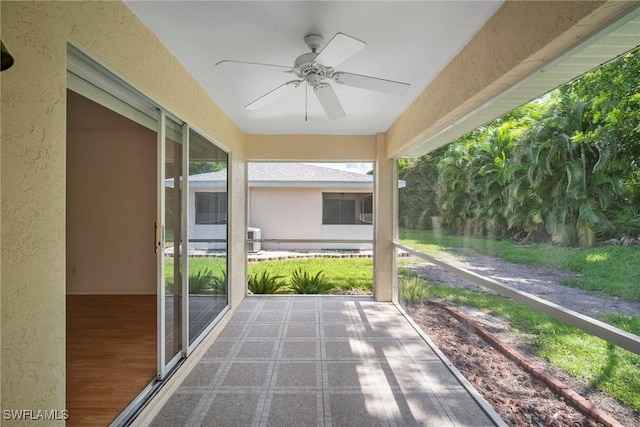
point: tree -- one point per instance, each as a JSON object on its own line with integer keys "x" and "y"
{"x": 417, "y": 200}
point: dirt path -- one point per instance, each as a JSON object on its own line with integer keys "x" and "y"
{"x": 543, "y": 282}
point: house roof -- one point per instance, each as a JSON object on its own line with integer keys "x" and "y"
{"x": 290, "y": 175}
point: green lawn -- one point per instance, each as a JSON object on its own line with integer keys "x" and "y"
{"x": 342, "y": 273}
{"x": 610, "y": 269}
{"x": 195, "y": 265}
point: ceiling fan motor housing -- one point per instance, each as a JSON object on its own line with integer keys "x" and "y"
{"x": 305, "y": 66}
{"x": 314, "y": 41}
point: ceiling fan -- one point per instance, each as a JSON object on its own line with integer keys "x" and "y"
{"x": 317, "y": 67}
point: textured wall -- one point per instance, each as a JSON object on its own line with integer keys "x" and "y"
{"x": 311, "y": 147}
{"x": 287, "y": 213}
{"x": 384, "y": 182}
{"x": 33, "y": 171}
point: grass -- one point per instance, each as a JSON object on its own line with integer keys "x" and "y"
{"x": 197, "y": 266}
{"x": 610, "y": 269}
{"x": 607, "y": 367}
{"x": 342, "y": 273}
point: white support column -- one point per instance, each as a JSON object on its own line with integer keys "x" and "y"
{"x": 383, "y": 250}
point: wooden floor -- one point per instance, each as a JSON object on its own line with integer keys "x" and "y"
{"x": 111, "y": 354}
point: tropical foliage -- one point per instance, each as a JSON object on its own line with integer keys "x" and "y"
{"x": 304, "y": 283}
{"x": 565, "y": 167}
{"x": 411, "y": 290}
{"x": 265, "y": 283}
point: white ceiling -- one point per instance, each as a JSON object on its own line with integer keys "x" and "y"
{"x": 406, "y": 41}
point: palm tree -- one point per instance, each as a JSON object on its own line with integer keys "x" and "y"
{"x": 569, "y": 188}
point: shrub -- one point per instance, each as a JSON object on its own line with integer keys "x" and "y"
{"x": 265, "y": 283}
{"x": 411, "y": 290}
{"x": 206, "y": 282}
{"x": 303, "y": 283}
{"x": 219, "y": 284}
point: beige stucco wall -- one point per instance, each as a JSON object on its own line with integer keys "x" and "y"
{"x": 33, "y": 172}
{"x": 296, "y": 213}
{"x": 519, "y": 39}
{"x": 286, "y": 213}
{"x": 300, "y": 148}
{"x": 383, "y": 255}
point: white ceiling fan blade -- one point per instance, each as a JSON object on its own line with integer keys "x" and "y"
{"x": 340, "y": 48}
{"x": 371, "y": 83}
{"x": 244, "y": 64}
{"x": 273, "y": 95}
{"x": 329, "y": 101}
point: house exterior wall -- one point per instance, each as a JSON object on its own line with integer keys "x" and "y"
{"x": 287, "y": 213}
{"x": 301, "y": 148}
{"x": 32, "y": 169}
{"x": 296, "y": 213}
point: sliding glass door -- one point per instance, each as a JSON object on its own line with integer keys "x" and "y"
{"x": 170, "y": 257}
{"x": 192, "y": 270}
{"x": 207, "y": 228}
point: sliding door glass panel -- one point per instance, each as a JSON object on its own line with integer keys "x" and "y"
{"x": 207, "y": 206}
{"x": 172, "y": 241}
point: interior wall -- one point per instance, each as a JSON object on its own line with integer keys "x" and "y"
{"x": 111, "y": 210}
{"x": 33, "y": 155}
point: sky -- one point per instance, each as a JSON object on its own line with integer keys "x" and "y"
{"x": 350, "y": 167}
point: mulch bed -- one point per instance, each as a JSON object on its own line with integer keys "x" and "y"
{"x": 519, "y": 396}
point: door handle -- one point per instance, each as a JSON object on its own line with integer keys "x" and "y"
{"x": 156, "y": 242}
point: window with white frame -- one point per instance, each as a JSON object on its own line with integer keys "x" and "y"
{"x": 211, "y": 207}
{"x": 347, "y": 208}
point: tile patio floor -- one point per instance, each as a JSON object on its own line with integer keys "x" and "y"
{"x": 320, "y": 361}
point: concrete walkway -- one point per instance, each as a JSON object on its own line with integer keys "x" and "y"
{"x": 321, "y": 361}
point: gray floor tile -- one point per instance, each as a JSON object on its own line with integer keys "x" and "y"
{"x": 302, "y": 330}
{"x": 303, "y": 317}
{"x": 270, "y": 316}
{"x": 336, "y": 317}
{"x": 292, "y": 410}
{"x": 233, "y": 409}
{"x": 356, "y": 410}
{"x": 220, "y": 349}
{"x": 257, "y": 349}
{"x": 252, "y": 374}
{"x": 344, "y": 349}
{"x": 414, "y": 408}
{"x": 346, "y": 375}
{"x": 232, "y": 330}
{"x": 298, "y": 374}
{"x": 177, "y": 410}
{"x": 202, "y": 375}
{"x": 269, "y": 330}
{"x": 313, "y": 360}
{"x": 241, "y": 316}
{"x": 299, "y": 349}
